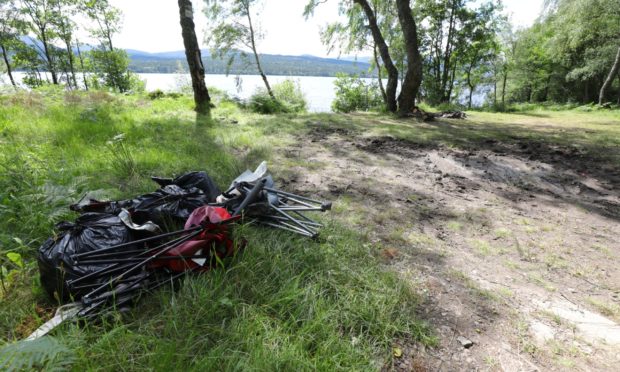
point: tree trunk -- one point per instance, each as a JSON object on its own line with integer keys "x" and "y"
{"x": 618, "y": 88}
{"x": 194, "y": 58}
{"x": 470, "y": 86}
{"x": 392, "y": 83}
{"x": 494, "y": 86}
{"x": 109, "y": 33}
{"x": 71, "y": 62}
{"x": 48, "y": 57}
{"x": 253, "y": 44}
{"x": 8, "y": 65}
{"x": 469, "y": 83}
{"x": 77, "y": 43}
{"x": 448, "y": 97}
{"x": 413, "y": 77}
{"x": 446, "y": 91}
{"x": 610, "y": 78}
{"x": 504, "y": 87}
{"x": 380, "y": 78}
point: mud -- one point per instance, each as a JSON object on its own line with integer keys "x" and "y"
{"x": 510, "y": 244}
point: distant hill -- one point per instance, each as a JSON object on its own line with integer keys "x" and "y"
{"x": 273, "y": 64}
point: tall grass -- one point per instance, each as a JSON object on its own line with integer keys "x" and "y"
{"x": 284, "y": 303}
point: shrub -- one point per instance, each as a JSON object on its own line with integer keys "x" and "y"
{"x": 289, "y": 93}
{"x": 354, "y": 94}
{"x": 157, "y": 94}
{"x": 288, "y": 99}
{"x": 262, "y": 103}
{"x": 111, "y": 71}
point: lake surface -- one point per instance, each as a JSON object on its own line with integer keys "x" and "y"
{"x": 319, "y": 91}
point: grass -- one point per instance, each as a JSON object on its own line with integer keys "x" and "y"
{"x": 605, "y": 308}
{"x": 285, "y": 303}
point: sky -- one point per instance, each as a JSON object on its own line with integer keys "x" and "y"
{"x": 153, "y": 25}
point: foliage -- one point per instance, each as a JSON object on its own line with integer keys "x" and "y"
{"x": 43, "y": 354}
{"x": 567, "y": 53}
{"x": 458, "y": 46}
{"x": 51, "y": 26}
{"x": 355, "y": 94}
{"x": 261, "y": 102}
{"x": 156, "y": 94}
{"x": 289, "y": 93}
{"x": 288, "y": 99}
{"x": 110, "y": 69}
{"x": 232, "y": 27}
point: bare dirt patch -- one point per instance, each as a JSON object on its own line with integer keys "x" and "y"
{"x": 512, "y": 245}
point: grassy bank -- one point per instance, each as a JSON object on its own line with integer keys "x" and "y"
{"x": 284, "y": 303}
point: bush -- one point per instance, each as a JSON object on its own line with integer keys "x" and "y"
{"x": 111, "y": 71}
{"x": 289, "y": 93}
{"x": 288, "y": 99}
{"x": 157, "y": 94}
{"x": 354, "y": 94}
{"x": 262, "y": 103}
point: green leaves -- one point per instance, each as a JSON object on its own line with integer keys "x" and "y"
{"x": 43, "y": 354}
{"x": 16, "y": 259}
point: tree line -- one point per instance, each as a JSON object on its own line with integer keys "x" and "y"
{"x": 40, "y": 37}
{"x": 438, "y": 51}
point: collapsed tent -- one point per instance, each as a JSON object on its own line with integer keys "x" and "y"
{"x": 117, "y": 250}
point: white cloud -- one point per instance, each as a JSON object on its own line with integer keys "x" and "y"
{"x": 523, "y": 12}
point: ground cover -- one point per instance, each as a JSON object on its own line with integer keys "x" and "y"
{"x": 487, "y": 243}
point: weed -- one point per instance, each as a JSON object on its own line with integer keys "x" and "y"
{"x": 605, "y": 308}
{"x": 483, "y": 247}
{"x": 454, "y": 225}
{"x": 538, "y": 279}
{"x": 122, "y": 158}
{"x": 502, "y": 232}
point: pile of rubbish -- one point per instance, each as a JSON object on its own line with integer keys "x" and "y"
{"x": 117, "y": 250}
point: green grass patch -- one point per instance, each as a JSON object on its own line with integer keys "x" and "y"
{"x": 285, "y": 303}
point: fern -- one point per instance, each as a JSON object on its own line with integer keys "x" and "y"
{"x": 46, "y": 353}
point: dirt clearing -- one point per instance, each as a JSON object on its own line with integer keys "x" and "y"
{"x": 512, "y": 243}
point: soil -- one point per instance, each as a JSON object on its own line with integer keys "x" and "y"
{"x": 512, "y": 246}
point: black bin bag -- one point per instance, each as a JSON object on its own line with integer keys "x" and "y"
{"x": 90, "y": 232}
{"x": 199, "y": 180}
{"x": 172, "y": 203}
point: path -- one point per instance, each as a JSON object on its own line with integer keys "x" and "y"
{"x": 513, "y": 247}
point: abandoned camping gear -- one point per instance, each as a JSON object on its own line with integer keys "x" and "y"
{"x": 131, "y": 268}
{"x": 114, "y": 251}
{"x": 253, "y": 193}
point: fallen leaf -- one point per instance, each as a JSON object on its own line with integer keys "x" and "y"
{"x": 397, "y": 352}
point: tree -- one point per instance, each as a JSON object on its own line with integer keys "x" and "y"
{"x": 9, "y": 34}
{"x": 610, "y": 78}
{"x": 107, "y": 18}
{"x": 65, "y": 29}
{"x": 483, "y": 47}
{"x": 110, "y": 65}
{"x": 27, "y": 58}
{"x": 232, "y": 28}
{"x": 413, "y": 77}
{"x": 443, "y": 42}
{"x": 194, "y": 58}
{"x": 41, "y": 14}
{"x": 568, "y": 54}
{"x": 353, "y": 34}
